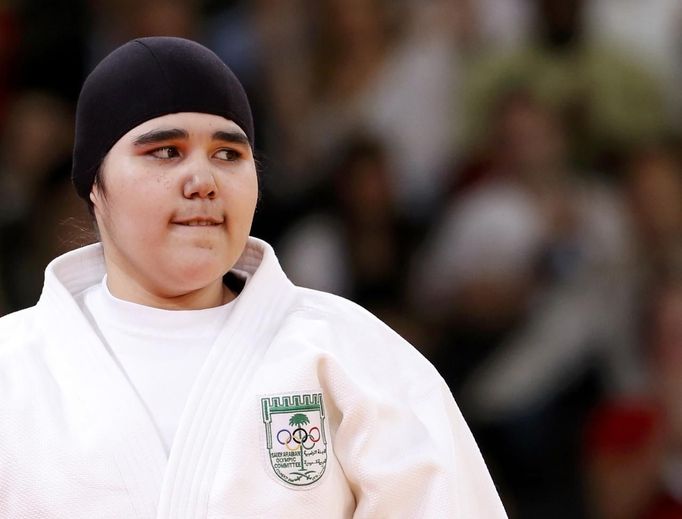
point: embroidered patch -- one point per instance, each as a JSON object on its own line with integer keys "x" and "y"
{"x": 295, "y": 437}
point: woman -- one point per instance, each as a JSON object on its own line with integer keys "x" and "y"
{"x": 174, "y": 371}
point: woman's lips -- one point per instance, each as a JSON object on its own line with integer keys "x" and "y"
{"x": 199, "y": 221}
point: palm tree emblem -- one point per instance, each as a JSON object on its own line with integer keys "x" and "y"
{"x": 298, "y": 420}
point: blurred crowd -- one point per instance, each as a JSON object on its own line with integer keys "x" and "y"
{"x": 498, "y": 180}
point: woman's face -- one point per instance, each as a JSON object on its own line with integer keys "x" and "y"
{"x": 175, "y": 209}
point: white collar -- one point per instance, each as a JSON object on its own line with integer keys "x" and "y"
{"x": 81, "y": 268}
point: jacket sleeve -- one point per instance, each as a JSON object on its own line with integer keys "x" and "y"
{"x": 410, "y": 454}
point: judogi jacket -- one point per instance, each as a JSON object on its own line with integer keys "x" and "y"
{"x": 307, "y": 406}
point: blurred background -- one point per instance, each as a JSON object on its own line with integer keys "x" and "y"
{"x": 498, "y": 180}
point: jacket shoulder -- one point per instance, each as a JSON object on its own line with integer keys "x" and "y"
{"x": 340, "y": 314}
{"x": 356, "y": 337}
{"x": 16, "y": 329}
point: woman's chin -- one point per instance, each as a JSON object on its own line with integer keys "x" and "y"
{"x": 183, "y": 278}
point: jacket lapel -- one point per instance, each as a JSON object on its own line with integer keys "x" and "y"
{"x": 117, "y": 420}
{"x": 219, "y": 390}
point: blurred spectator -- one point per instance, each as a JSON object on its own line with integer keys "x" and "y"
{"x": 282, "y": 40}
{"x": 609, "y": 100}
{"x": 666, "y": 350}
{"x": 532, "y": 272}
{"x": 624, "y": 450}
{"x": 535, "y": 237}
{"x": 391, "y": 71}
{"x": 634, "y": 448}
{"x": 649, "y": 32}
{"x": 355, "y": 243}
{"x": 654, "y": 184}
{"x": 114, "y": 22}
{"x": 34, "y": 161}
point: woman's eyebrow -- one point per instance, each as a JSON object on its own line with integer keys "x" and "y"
{"x": 231, "y": 137}
{"x": 155, "y": 136}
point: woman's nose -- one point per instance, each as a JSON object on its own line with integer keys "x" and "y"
{"x": 200, "y": 182}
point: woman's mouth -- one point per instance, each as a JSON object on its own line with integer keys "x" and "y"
{"x": 202, "y": 221}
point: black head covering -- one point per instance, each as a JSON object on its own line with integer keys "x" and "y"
{"x": 144, "y": 79}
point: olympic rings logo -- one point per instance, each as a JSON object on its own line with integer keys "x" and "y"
{"x": 300, "y": 438}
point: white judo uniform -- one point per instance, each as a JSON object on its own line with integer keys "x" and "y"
{"x": 306, "y": 406}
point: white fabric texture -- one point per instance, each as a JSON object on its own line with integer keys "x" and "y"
{"x": 77, "y": 442}
{"x": 160, "y": 351}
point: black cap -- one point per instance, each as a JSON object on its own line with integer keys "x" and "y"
{"x": 144, "y": 79}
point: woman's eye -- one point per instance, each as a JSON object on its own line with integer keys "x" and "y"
{"x": 227, "y": 154}
{"x": 166, "y": 152}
